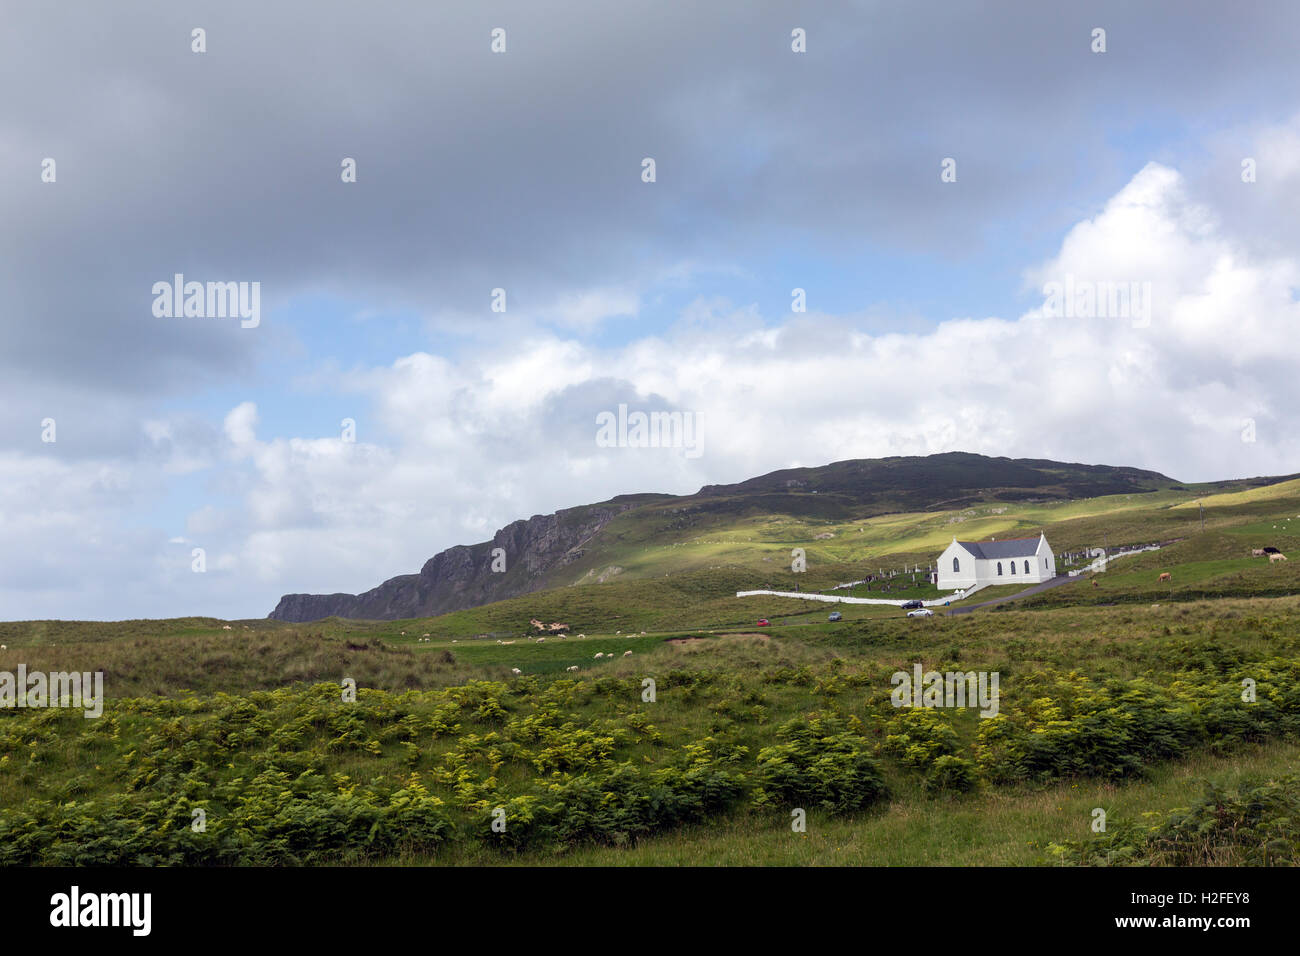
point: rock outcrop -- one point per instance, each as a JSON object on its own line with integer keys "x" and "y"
{"x": 462, "y": 577}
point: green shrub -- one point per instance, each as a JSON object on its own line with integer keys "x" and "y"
{"x": 821, "y": 765}
{"x": 950, "y": 774}
{"x": 1254, "y": 824}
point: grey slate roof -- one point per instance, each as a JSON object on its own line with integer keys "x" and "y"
{"x": 1010, "y": 548}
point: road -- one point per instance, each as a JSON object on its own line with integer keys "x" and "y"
{"x": 1056, "y": 582}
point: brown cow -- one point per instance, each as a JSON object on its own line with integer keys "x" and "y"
{"x": 1279, "y": 556}
{"x": 1167, "y": 577}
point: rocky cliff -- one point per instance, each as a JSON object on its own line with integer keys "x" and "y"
{"x": 462, "y": 577}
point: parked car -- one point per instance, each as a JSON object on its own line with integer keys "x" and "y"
{"x": 763, "y": 622}
{"x": 921, "y": 612}
{"x": 835, "y": 616}
{"x": 911, "y": 605}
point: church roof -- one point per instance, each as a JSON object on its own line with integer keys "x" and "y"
{"x": 1006, "y": 548}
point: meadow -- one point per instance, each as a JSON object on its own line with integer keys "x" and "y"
{"x": 676, "y": 731}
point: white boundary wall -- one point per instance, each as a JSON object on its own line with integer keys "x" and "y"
{"x": 832, "y": 599}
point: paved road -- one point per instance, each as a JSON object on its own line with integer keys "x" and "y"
{"x": 1056, "y": 582}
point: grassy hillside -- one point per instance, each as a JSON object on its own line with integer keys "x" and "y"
{"x": 1116, "y": 691}
{"x": 1092, "y": 699}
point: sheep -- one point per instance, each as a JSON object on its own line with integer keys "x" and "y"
{"x": 4, "y": 647}
{"x": 516, "y": 671}
{"x": 599, "y": 655}
{"x": 627, "y": 653}
{"x": 582, "y": 637}
{"x": 541, "y": 640}
{"x": 573, "y": 668}
{"x": 426, "y": 635}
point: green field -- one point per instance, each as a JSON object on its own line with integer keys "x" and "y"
{"x": 1124, "y": 695}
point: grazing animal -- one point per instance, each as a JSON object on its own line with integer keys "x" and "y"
{"x": 4, "y": 647}
{"x": 1257, "y": 552}
{"x": 599, "y": 655}
{"x": 1276, "y": 557}
{"x": 1166, "y": 577}
{"x": 541, "y": 640}
{"x": 627, "y": 653}
{"x": 426, "y": 635}
{"x": 516, "y": 671}
{"x": 582, "y": 637}
{"x": 573, "y": 668}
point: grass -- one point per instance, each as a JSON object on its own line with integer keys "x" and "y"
{"x": 1005, "y": 827}
{"x": 199, "y": 713}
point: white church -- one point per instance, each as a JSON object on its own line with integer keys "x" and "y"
{"x": 965, "y": 564}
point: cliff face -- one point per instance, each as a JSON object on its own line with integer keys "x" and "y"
{"x": 462, "y": 577}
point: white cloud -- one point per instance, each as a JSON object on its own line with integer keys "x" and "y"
{"x": 508, "y": 431}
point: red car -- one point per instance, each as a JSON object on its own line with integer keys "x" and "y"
{"x": 763, "y": 622}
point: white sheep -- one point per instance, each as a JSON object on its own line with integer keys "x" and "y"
{"x": 573, "y": 668}
{"x": 4, "y": 647}
{"x": 599, "y": 655}
{"x": 516, "y": 671}
{"x": 226, "y": 628}
{"x": 541, "y": 640}
{"x": 582, "y": 637}
{"x": 627, "y": 653}
{"x": 426, "y": 635}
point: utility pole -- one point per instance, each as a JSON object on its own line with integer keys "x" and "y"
{"x": 1202, "y": 507}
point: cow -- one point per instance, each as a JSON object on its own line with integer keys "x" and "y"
{"x": 1167, "y": 577}
{"x": 1276, "y": 557}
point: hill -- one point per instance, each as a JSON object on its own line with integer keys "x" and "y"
{"x": 591, "y": 543}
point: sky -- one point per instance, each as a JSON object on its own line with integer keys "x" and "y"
{"x": 960, "y": 190}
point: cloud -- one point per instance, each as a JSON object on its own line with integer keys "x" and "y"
{"x": 522, "y": 171}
